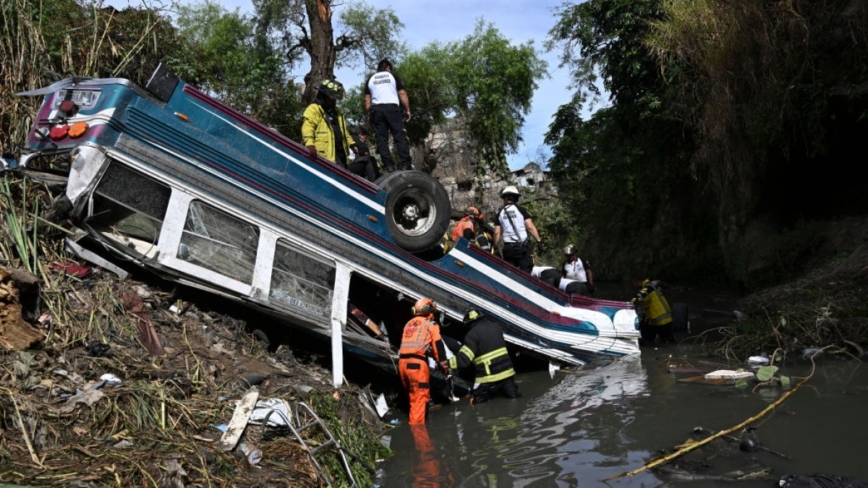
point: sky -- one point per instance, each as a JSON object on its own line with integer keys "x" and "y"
{"x": 426, "y": 21}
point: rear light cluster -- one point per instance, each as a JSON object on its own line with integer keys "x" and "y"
{"x": 67, "y": 109}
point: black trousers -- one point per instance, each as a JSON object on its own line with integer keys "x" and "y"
{"x": 366, "y": 167}
{"x": 388, "y": 119}
{"x": 518, "y": 255}
{"x": 485, "y": 391}
{"x": 650, "y": 332}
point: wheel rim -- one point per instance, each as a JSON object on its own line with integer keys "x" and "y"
{"x": 414, "y": 212}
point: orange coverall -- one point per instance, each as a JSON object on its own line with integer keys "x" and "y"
{"x": 421, "y": 336}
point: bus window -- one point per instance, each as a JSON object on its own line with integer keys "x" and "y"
{"x": 217, "y": 241}
{"x": 301, "y": 282}
{"x": 129, "y": 203}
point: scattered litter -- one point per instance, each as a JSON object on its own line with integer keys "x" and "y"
{"x": 726, "y": 374}
{"x": 74, "y": 377}
{"x": 758, "y": 360}
{"x": 72, "y": 269}
{"x": 88, "y": 397}
{"x": 305, "y": 388}
{"x": 221, "y": 427}
{"x": 252, "y": 453}
{"x": 97, "y": 349}
{"x": 394, "y": 422}
{"x": 111, "y": 380}
{"x": 382, "y": 407}
{"x": 265, "y": 407}
{"x": 553, "y": 368}
{"x": 386, "y": 441}
{"x": 123, "y": 444}
{"x": 239, "y": 420}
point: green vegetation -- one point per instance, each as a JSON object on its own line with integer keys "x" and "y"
{"x": 728, "y": 123}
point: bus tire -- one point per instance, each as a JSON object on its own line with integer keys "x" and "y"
{"x": 417, "y": 209}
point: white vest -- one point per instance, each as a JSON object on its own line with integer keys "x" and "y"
{"x": 575, "y": 271}
{"x": 383, "y": 88}
{"x": 514, "y": 230}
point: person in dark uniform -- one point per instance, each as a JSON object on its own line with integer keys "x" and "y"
{"x": 364, "y": 164}
{"x": 384, "y": 99}
{"x": 485, "y": 348}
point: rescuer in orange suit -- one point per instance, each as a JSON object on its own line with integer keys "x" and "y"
{"x": 421, "y": 338}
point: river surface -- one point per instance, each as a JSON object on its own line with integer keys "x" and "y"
{"x": 580, "y": 428}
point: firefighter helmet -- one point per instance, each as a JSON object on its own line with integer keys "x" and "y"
{"x": 510, "y": 190}
{"x": 474, "y": 212}
{"x": 471, "y": 315}
{"x": 332, "y": 89}
{"x": 424, "y": 306}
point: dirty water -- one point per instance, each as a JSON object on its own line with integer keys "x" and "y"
{"x": 574, "y": 430}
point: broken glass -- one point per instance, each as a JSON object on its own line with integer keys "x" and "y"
{"x": 130, "y": 203}
{"x": 215, "y": 240}
{"x": 301, "y": 282}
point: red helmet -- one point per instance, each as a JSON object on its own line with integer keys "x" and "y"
{"x": 424, "y": 306}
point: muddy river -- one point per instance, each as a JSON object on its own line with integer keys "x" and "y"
{"x": 578, "y": 429}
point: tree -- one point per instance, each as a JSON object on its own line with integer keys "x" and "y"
{"x": 233, "y": 60}
{"x": 624, "y": 170}
{"x": 305, "y": 26}
{"x": 483, "y": 81}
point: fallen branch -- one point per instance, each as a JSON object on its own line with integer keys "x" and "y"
{"x": 691, "y": 447}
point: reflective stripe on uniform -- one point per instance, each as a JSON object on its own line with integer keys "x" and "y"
{"x": 496, "y": 377}
{"x": 486, "y": 359}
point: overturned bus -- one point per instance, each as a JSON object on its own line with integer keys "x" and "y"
{"x": 185, "y": 186}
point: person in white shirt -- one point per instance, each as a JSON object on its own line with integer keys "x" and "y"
{"x": 575, "y": 268}
{"x": 514, "y": 227}
{"x": 384, "y": 98}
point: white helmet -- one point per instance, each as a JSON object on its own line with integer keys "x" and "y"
{"x": 509, "y": 190}
{"x": 569, "y": 250}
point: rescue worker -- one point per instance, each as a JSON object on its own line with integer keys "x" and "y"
{"x": 514, "y": 226}
{"x": 485, "y": 237}
{"x": 467, "y": 226}
{"x": 384, "y": 97}
{"x": 485, "y": 348}
{"x": 364, "y": 164}
{"x": 577, "y": 269}
{"x": 547, "y": 274}
{"x": 421, "y": 338}
{"x": 655, "y": 314}
{"x": 324, "y": 129}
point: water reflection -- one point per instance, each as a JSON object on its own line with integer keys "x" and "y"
{"x": 577, "y": 429}
{"x": 426, "y": 468}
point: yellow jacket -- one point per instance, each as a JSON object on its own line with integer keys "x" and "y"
{"x": 317, "y": 131}
{"x": 657, "y": 309}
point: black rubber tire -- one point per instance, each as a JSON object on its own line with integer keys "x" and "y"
{"x": 417, "y": 209}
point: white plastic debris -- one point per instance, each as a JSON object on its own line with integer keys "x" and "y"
{"x": 111, "y": 380}
{"x": 263, "y": 407}
{"x": 552, "y": 368}
{"x": 758, "y": 360}
{"x": 381, "y": 405}
{"x": 726, "y": 374}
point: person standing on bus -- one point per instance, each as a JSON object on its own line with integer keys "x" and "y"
{"x": 421, "y": 339}
{"x": 324, "y": 129}
{"x": 514, "y": 226}
{"x": 384, "y": 98}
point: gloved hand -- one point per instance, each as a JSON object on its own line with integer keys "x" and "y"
{"x": 311, "y": 152}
